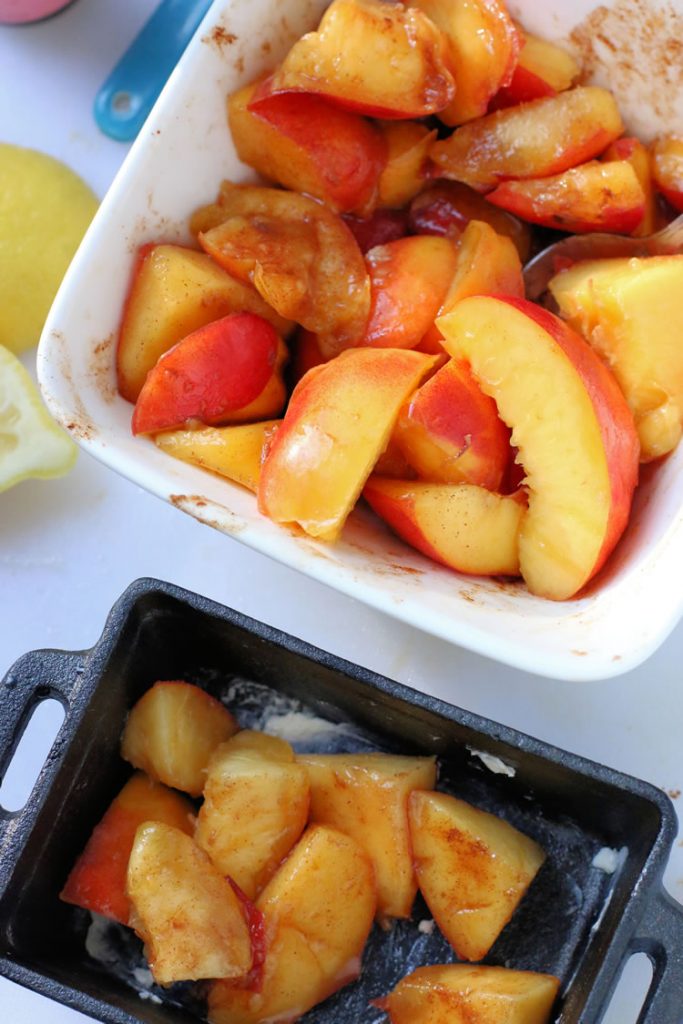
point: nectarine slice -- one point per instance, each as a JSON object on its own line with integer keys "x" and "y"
{"x": 450, "y": 432}
{"x": 405, "y": 172}
{"x": 186, "y": 913}
{"x": 533, "y": 140}
{"x": 637, "y": 155}
{"x": 487, "y": 264}
{"x": 256, "y": 801}
{"x": 447, "y": 207}
{"x": 227, "y": 371}
{"x": 667, "y": 168}
{"x": 543, "y": 69}
{"x": 409, "y": 280}
{"x": 572, "y": 426}
{"x": 462, "y": 526}
{"x": 630, "y": 312}
{"x": 374, "y": 57}
{"x": 472, "y": 868}
{"x": 97, "y": 880}
{"x": 318, "y": 911}
{"x": 483, "y": 44}
{"x": 308, "y": 145}
{"x": 593, "y": 197}
{"x": 174, "y": 292}
{"x": 233, "y": 452}
{"x": 171, "y": 732}
{"x": 366, "y": 796}
{"x": 337, "y": 424}
{"x": 300, "y": 257}
{"x": 461, "y": 994}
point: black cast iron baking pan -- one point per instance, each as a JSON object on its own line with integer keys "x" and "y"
{"x": 576, "y": 921}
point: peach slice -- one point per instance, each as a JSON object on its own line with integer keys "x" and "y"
{"x": 373, "y": 57}
{"x": 233, "y": 452}
{"x": 472, "y": 868}
{"x": 450, "y": 432}
{"x": 483, "y": 44}
{"x": 409, "y": 280}
{"x": 667, "y": 168}
{"x": 172, "y": 731}
{"x": 405, "y": 173}
{"x": 366, "y": 796}
{"x": 462, "y": 526}
{"x": 461, "y": 994}
{"x": 534, "y": 140}
{"x": 308, "y": 145}
{"x": 226, "y": 372}
{"x": 543, "y": 69}
{"x": 186, "y": 913}
{"x": 174, "y": 292}
{"x": 593, "y": 197}
{"x": 633, "y": 151}
{"x": 299, "y": 256}
{"x": 487, "y": 264}
{"x": 572, "y": 426}
{"x": 381, "y": 227}
{"x": 337, "y": 424}
{"x": 318, "y": 911}
{"x": 447, "y": 207}
{"x": 256, "y": 801}
{"x": 629, "y": 310}
{"x": 97, "y": 880}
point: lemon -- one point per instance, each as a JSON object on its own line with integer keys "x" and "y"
{"x": 31, "y": 443}
{"x": 44, "y": 211}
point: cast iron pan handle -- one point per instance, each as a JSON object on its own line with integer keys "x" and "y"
{"x": 660, "y": 937}
{"x": 35, "y": 677}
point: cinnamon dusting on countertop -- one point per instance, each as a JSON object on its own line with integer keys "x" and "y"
{"x": 636, "y": 51}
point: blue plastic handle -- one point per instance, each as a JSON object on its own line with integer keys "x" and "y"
{"x": 130, "y": 91}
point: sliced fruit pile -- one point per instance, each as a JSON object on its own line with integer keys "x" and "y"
{"x": 270, "y": 888}
{"x": 386, "y": 261}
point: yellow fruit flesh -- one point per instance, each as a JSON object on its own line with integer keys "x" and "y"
{"x": 629, "y": 310}
{"x": 184, "y": 910}
{"x": 338, "y": 422}
{"x": 472, "y": 868}
{"x": 172, "y": 732}
{"x": 318, "y": 911}
{"x": 232, "y": 452}
{"x": 541, "y": 396}
{"x": 460, "y": 994}
{"x": 44, "y": 211}
{"x": 366, "y": 796}
{"x": 255, "y": 807}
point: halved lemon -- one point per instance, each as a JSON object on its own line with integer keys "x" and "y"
{"x": 31, "y": 443}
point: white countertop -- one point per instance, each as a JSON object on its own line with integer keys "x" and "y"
{"x": 68, "y": 548}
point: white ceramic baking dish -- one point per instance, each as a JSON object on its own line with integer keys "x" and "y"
{"x": 177, "y": 162}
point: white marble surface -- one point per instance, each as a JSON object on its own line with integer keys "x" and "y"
{"x": 69, "y": 547}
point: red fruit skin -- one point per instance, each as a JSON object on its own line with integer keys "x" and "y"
{"x": 349, "y": 151}
{"x": 211, "y": 373}
{"x": 97, "y": 880}
{"x": 524, "y": 86}
{"x": 382, "y": 227}
{"x": 256, "y": 923}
